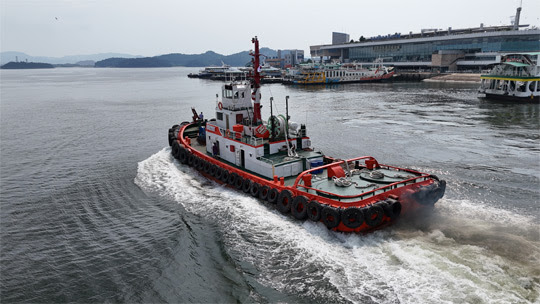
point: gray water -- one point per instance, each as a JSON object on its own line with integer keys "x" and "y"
{"x": 94, "y": 208}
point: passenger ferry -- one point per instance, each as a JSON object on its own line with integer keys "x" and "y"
{"x": 276, "y": 162}
{"x": 515, "y": 78}
{"x": 337, "y": 73}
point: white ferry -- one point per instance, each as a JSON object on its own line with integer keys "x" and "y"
{"x": 515, "y": 78}
{"x": 337, "y": 73}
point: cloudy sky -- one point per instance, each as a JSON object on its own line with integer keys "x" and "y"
{"x": 152, "y": 27}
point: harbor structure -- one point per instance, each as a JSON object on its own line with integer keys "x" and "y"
{"x": 469, "y": 49}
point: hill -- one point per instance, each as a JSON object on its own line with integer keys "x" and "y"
{"x": 6, "y": 57}
{"x": 187, "y": 60}
{"x": 26, "y": 65}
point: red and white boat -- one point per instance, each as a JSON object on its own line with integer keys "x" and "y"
{"x": 274, "y": 161}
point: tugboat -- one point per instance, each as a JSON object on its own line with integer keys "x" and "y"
{"x": 275, "y": 162}
{"x": 515, "y": 78}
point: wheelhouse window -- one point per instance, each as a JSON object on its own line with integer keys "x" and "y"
{"x": 219, "y": 115}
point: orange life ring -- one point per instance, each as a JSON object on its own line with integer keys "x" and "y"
{"x": 220, "y": 105}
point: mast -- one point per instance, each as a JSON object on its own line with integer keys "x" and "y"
{"x": 256, "y": 83}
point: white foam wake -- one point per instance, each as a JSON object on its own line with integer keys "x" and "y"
{"x": 464, "y": 252}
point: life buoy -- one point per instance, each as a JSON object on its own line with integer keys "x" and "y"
{"x": 263, "y": 193}
{"x": 352, "y": 217}
{"x": 246, "y": 185}
{"x": 330, "y": 216}
{"x": 299, "y": 207}
{"x": 373, "y": 215}
{"x": 314, "y": 211}
{"x": 253, "y": 96}
{"x": 284, "y": 201}
{"x": 254, "y": 190}
{"x": 220, "y": 105}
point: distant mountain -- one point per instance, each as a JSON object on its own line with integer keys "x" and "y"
{"x": 6, "y": 57}
{"x": 188, "y": 60}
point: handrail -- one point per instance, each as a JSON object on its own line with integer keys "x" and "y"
{"x": 384, "y": 188}
{"x": 329, "y": 165}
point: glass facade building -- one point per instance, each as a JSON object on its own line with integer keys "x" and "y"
{"x": 419, "y": 51}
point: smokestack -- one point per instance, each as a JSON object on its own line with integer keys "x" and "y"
{"x": 516, "y": 22}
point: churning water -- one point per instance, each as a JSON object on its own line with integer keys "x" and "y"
{"x": 94, "y": 208}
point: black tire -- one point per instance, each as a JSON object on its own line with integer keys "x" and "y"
{"x": 263, "y": 193}
{"x": 201, "y": 165}
{"x": 352, "y": 217}
{"x": 273, "y": 195}
{"x": 373, "y": 215}
{"x": 331, "y": 216}
{"x": 392, "y": 208}
{"x": 171, "y": 137}
{"x": 213, "y": 169}
{"x": 174, "y": 149}
{"x": 232, "y": 179}
{"x": 225, "y": 176}
{"x": 284, "y": 201}
{"x": 299, "y": 207}
{"x": 314, "y": 210}
{"x": 207, "y": 167}
{"x": 183, "y": 156}
{"x": 239, "y": 182}
{"x": 246, "y": 185}
{"x": 196, "y": 162}
{"x": 218, "y": 173}
{"x": 190, "y": 160}
{"x": 254, "y": 190}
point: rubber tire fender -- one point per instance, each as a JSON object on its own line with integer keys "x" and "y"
{"x": 263, "y": 193}
{"x": 213, "y": 170}
{"x": 182, "y": 156}
{"x": 239, "y": 182}
{"x": 246, "y": 185}
{"x": 254, "y": 190}
{"x": 207, "y": 167}
{"x": 190, "y": 160}
{"x": 196, "y": 162}
{"x": 202, "y": 164}
{"x": 225, "y": 176}
{"x": 273, "y": 195}
{"x": 352, "y": 217}
{"x": 232, "y": 179}
{"x": 218, "y": 173}
{"x": 284, "y": 201}
{"x": 175, "y": 149}
{"x": 373, "y": 215}
{"x": 299, "y": 207}
{"x": 331, "y": 216}
{"x": 392, "y": 208}
{"x": 314, "y": 210}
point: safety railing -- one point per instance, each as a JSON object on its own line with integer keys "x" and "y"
{"x": 383, "y": 189}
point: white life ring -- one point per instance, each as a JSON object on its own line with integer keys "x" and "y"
{"x": 220, "y": 105}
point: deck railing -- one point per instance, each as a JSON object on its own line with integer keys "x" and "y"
{"x": 383, "y": 189}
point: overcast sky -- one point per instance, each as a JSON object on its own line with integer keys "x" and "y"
{"x": 153, "y": 27}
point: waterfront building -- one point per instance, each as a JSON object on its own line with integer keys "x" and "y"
{"x": 436, "y": 49}
{"x": 286, "y": 58}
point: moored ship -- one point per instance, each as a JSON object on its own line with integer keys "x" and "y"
{"x": 275, "y": 161}
{"x": 337, "y": 73}
{"x": 515, "y": 78}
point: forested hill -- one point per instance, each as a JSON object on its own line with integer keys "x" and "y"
{"x": 188, "y": 60}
